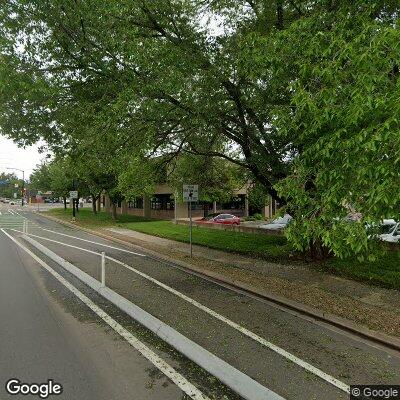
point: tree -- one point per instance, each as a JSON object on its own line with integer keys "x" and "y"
{"x": 7, "y": 185}
{"x": 40, "y": 179}
{"x": 346, "y": 123}
{"x": 277, "y": 91}
{"x": 166, "y": 84}
{"x": 61, "y": 178}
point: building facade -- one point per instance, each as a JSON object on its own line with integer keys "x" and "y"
{"x": 163, "y": 205}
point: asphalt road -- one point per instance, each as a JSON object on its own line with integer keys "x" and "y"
{"x": 45, "y": 333}
{"x": 50, "y": 334}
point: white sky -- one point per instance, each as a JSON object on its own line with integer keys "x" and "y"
{"x": 13, "y": 156}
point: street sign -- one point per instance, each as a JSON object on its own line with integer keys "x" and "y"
{"x": 16, "y": 185}
{"x": 3, "y": 182}
{"x": 190, "y": 193}
{"x": 73, "y": 194}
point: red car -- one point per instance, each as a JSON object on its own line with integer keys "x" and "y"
{"x": 225, "y": 219}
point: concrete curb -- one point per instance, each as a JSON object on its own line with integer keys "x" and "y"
{"x": 338, "y": 322}
{"x": 239, "y": 382}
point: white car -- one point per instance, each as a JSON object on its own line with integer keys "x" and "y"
{"x": 278, "y": 223}
{"x": 393, "y": 236}
{"x": 384, "y": 227}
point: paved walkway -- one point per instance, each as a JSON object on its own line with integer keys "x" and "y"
{"x": 374, "y": 307}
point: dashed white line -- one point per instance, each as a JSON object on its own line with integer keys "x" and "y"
{"x": 186, "y": 386}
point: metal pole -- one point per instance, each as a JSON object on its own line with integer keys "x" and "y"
{"x": 73, "y": 201}
{"x": 23, "y": 188}
{"x": 103, "y": 269}
{"x": 190, "y": 229}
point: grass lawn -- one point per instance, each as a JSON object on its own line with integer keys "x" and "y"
{"x": 265, "y": 246}
{"x": 384, "y": 272}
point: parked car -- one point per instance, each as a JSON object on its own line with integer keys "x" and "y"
{"x": 225, "y": 219}
{"x": 384, "y": 227}
{"x": 278, "y": 223}
{"x": 393, "y": 236}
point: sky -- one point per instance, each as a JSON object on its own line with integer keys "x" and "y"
{"x": 13, "y": 156}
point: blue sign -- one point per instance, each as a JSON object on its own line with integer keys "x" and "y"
{"x": 3, "y": 182}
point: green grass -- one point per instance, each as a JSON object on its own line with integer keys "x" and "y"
{"x": 384, "y": 272}
{"x": 265, "y": 246}
{"x": 85, "y": 217}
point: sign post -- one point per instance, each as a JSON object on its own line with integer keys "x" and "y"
{"x": 190, "y": 193}
{"x": 38, "y": 199}
{"x": 73, "y": 194}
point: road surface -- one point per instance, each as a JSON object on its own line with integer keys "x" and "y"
{"x": 50, "y": 333}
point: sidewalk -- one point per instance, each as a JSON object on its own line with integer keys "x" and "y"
{"x": 371, "y": 306}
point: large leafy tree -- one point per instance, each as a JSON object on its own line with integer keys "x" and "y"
{"x": 279, "y": 88}
{"x": 168, "y": 83}
{"x": 345, "y": 123}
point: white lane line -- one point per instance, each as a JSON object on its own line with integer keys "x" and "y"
{"x": 16, "y": 212}
{"x": 11, "y": 212}
{"x": 100, "y": 244}
{"x": 291, "y": 357}
{"x": 157, "y": 361}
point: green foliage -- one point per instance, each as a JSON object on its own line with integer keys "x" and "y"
{"x": 40, "y": 179}
{"x": 8, "y": 188}
{"x": 346, "y": 124}
{"x": 255, "y": 217}
{"x": 258, "y": 196}
{"x": 217, "y": 179}
{"x": 302, "y": 95}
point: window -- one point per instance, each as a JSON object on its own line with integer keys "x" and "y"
{"x": 162, "y": 202}
{"x": 137, "y": 202}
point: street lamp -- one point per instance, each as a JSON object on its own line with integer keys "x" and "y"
{"x": 23, "y": 183}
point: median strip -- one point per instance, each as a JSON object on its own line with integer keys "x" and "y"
{"x": 236, "y": 380}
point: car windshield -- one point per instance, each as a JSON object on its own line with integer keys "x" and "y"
{"x": 386, "y": 228}
{"x": 210, "y": 216}
{"x": 282, "y": 220}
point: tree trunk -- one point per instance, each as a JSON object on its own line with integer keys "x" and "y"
{"x": 279, "y": 14}
{"x": 319, "y": 252}
{"x": 114, "y": 211}
{"x": 65, "y": 203}
{"x": 94, "y": 208}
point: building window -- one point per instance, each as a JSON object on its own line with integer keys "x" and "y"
{"x": 137, "y": 202}
{"x": 162, "y": 202}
